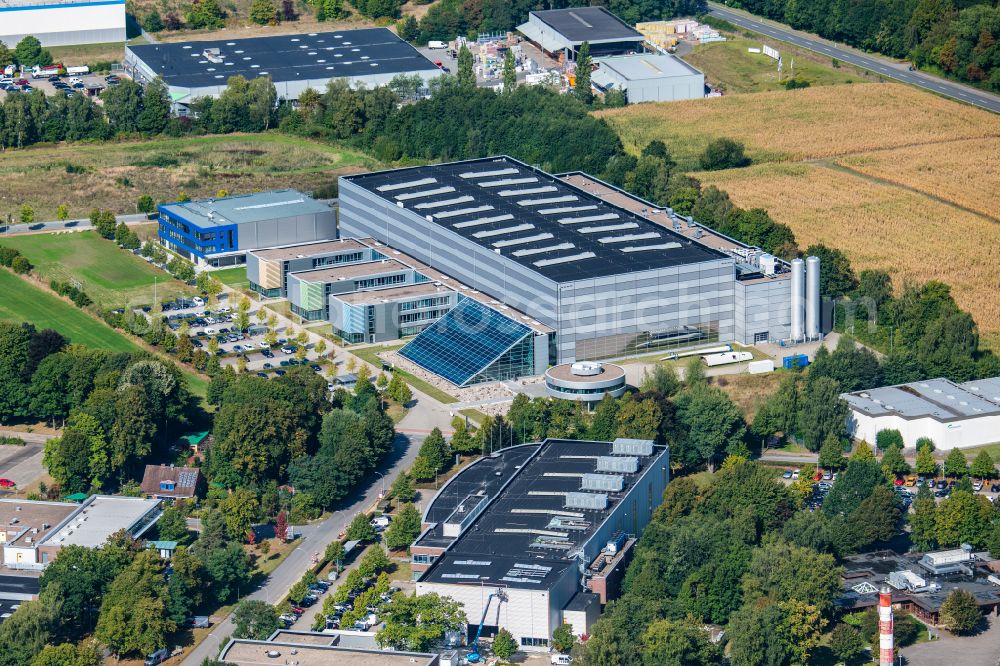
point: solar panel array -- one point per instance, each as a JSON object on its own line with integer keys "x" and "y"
{"x": 187, "y": 479}
{"x": 466, "y": 341}
{"x": 539, "y": 221}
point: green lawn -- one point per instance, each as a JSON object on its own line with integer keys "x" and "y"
{"x": 233, "y": 277}
{"x": 24, "y": 302}
{"x": 112, "y": 277}
{"x": 729, "y": 65}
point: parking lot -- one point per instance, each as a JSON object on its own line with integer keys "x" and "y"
{"x": 82, "y": 84}
{"x": 8, "y": 606}
{"x": 217, "y": 323}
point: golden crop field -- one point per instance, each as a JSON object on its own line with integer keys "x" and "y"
{"x": 879, "y": 225}
{"x": 812, "y": 123}
{"x": 964, "y": 172}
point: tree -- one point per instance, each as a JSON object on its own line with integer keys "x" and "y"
{"x": 407, "y": 29}
{"x": 361, "y": 529}
{"x": 853, "y": 486}
{"x": 67, "y": 654}
{"x": 374, "y": 561}
{"x": 155, "y": 108}
{"x": 926, "y": 464}
{"x": 694, "y": 372}
{"x": 435, "y": 450}
{"x": 772, "y": 573}
{"x": 822, "y": 412}
{"x": 21, "y": 265}
{"x": 723, "y": 153}
{"x": 875, "y": 518}
{"x": 713, "y": 423}
{"x": 831, "y": 454}
{"x": 240, "y": 509}
{"x": 802, "y": 628}
{"x": 509, "y": 75}
{"x": 894, "y": 464}
{"x": 983, "y": 466}
{"x": 863, "y": 451}
{"x": 255, "y": 620}
{"x": 62, "y": 212}
{"x": 172, "y": 526}
{"x": 263, "y": 12}
{"x": 956, "y": 464}
{"x": 27, "y": 214}
{"x": 960, "y": 612}
{"x": 404, "y": 529}
{"x": 923, "y": 529}
{"x": 504, "y": 645}
{"x": 335, "y": 553}
{"x": 152, "y": 22}
{"x": 29, "y": 52}
{"x": 418, "y": 622}
{"x": 886, "y": 439}
{"x": 205, "y": 14}
{"x": 584, "y": 66}
{"x": 281, "y": 526}
{"x": 402, "y": 488}
{"x": 662, "y": 379}
{"x": 846, "y": 642}
{"x": 466, "y": 74}
{"x": 133, "y": 616}
{"x": 748, "y": 645}
{"x": 563, "y": 639}
{"x": 670, "y": 643}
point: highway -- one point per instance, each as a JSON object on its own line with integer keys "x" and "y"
{"x": 314, "y": 541}
{"x": 878, "y": 64}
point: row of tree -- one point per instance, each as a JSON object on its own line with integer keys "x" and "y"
{"x": 958, "y": 37}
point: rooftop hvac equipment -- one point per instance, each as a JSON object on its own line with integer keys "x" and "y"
{"x": 609, "y": 482}
{"x": 594, "y": 501}
{"x": 626, "y": 464}
{"x": 632, "y": 447}
{"x": 812, "y": 298}
{"x": 798, "y": 299}
{"x": 213, "y": 55}
{"x": 767, "y": 263}
{"x": 585, "y": 368}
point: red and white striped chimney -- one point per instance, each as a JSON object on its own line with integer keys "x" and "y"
{"x": 886, "y": 654}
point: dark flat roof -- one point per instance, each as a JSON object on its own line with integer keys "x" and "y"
{"x": 538, "y": 220}
{"x": 588, "y": 24}
{"x": 504, "y": 545}
{"x": 324, "y": 55}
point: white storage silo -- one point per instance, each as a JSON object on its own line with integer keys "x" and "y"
{"x": 812, "y": 298}
{"x": 798, "y": 299}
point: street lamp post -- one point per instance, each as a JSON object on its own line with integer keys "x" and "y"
{"x": 381, "y": 495}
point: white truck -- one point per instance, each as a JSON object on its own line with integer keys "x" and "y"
{"x": 434, "y": 45}
{"x": 82, "y": 69}
{"x": 712, "y": 360}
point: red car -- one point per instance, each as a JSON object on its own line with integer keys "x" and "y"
{"x": 22, "y": 82}
{"x": 818, "y": 476}
{"x": 7, "y": 483}
{"x": 899, "y": 481}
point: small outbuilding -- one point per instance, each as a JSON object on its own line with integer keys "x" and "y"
{"x": 646, "y": 77}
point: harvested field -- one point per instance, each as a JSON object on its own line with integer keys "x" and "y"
{"x": 814, "y": 123}
{"x": 881, "y": 226}
{"x": 966, "y": 173}
{"x": 749, "y": 392}
{"x": 115, "y": 175}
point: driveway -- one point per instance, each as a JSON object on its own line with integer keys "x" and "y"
{"x": 23, "y": 464}
{"x": 981, "y": 650}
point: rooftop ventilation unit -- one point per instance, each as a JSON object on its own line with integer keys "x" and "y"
{"x": 609, "y": 482}
{"x": 632, "y": 447}
{"x": 586, "y": 368}
{"x": 592, "y": 501}
{"x": 628, "y": 465}
{"x": 213, "y": 55}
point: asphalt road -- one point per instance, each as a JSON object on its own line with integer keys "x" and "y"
{"x": 81, "y": 224}
{"x": 877, "y": 64}
{"x": 314, "y": 541}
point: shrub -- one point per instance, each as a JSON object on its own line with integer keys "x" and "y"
{"x": 724, "y": 154}
{"x": 21, "y": 265}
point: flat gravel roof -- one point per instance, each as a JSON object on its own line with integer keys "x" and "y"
{"x": 302, "y": 57}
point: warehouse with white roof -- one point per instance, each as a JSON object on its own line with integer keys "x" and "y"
{"x": 646, "y": 77}
{"x": 952, "y": 415}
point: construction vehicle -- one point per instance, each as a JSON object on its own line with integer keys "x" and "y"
{"x": 474, "y": 657}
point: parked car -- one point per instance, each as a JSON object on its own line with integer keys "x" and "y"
{"x": 280, "y": 373}
{"x": 267, "y": 353}
{"x": 977, "y": 485}
{"x": 898, "y": 481}
{"x": 787, "y": 474}
{"x": 795, "y": 473}
{"x": 7, "y": 483}
{"x": 268, "y": 366}
{"x": 263, "y": 345}
{"x": 198, "y": 622}
{"x": 262, "y": 375}
{"x": 157, "y": 657}
{"x": 316, "y": 367}
{"x": 288, "y": 350}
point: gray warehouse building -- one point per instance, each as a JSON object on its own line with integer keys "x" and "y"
{"x": 649, "y": 78}
{"x": 219, "y": 232}
{"x": 368, "y": 56}
{"x": 561, "y": 32}
{"x": 609, "y": 280}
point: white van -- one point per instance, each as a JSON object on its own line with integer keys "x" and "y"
{"x": 198, "y": 300}
{"x": 562, "y": 659}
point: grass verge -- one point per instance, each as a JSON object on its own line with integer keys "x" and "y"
{"x": 370, "y": 355}
{"x": 233, "y": 277}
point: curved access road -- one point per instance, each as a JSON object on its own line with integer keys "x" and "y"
{"x": 878, "y": 64}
